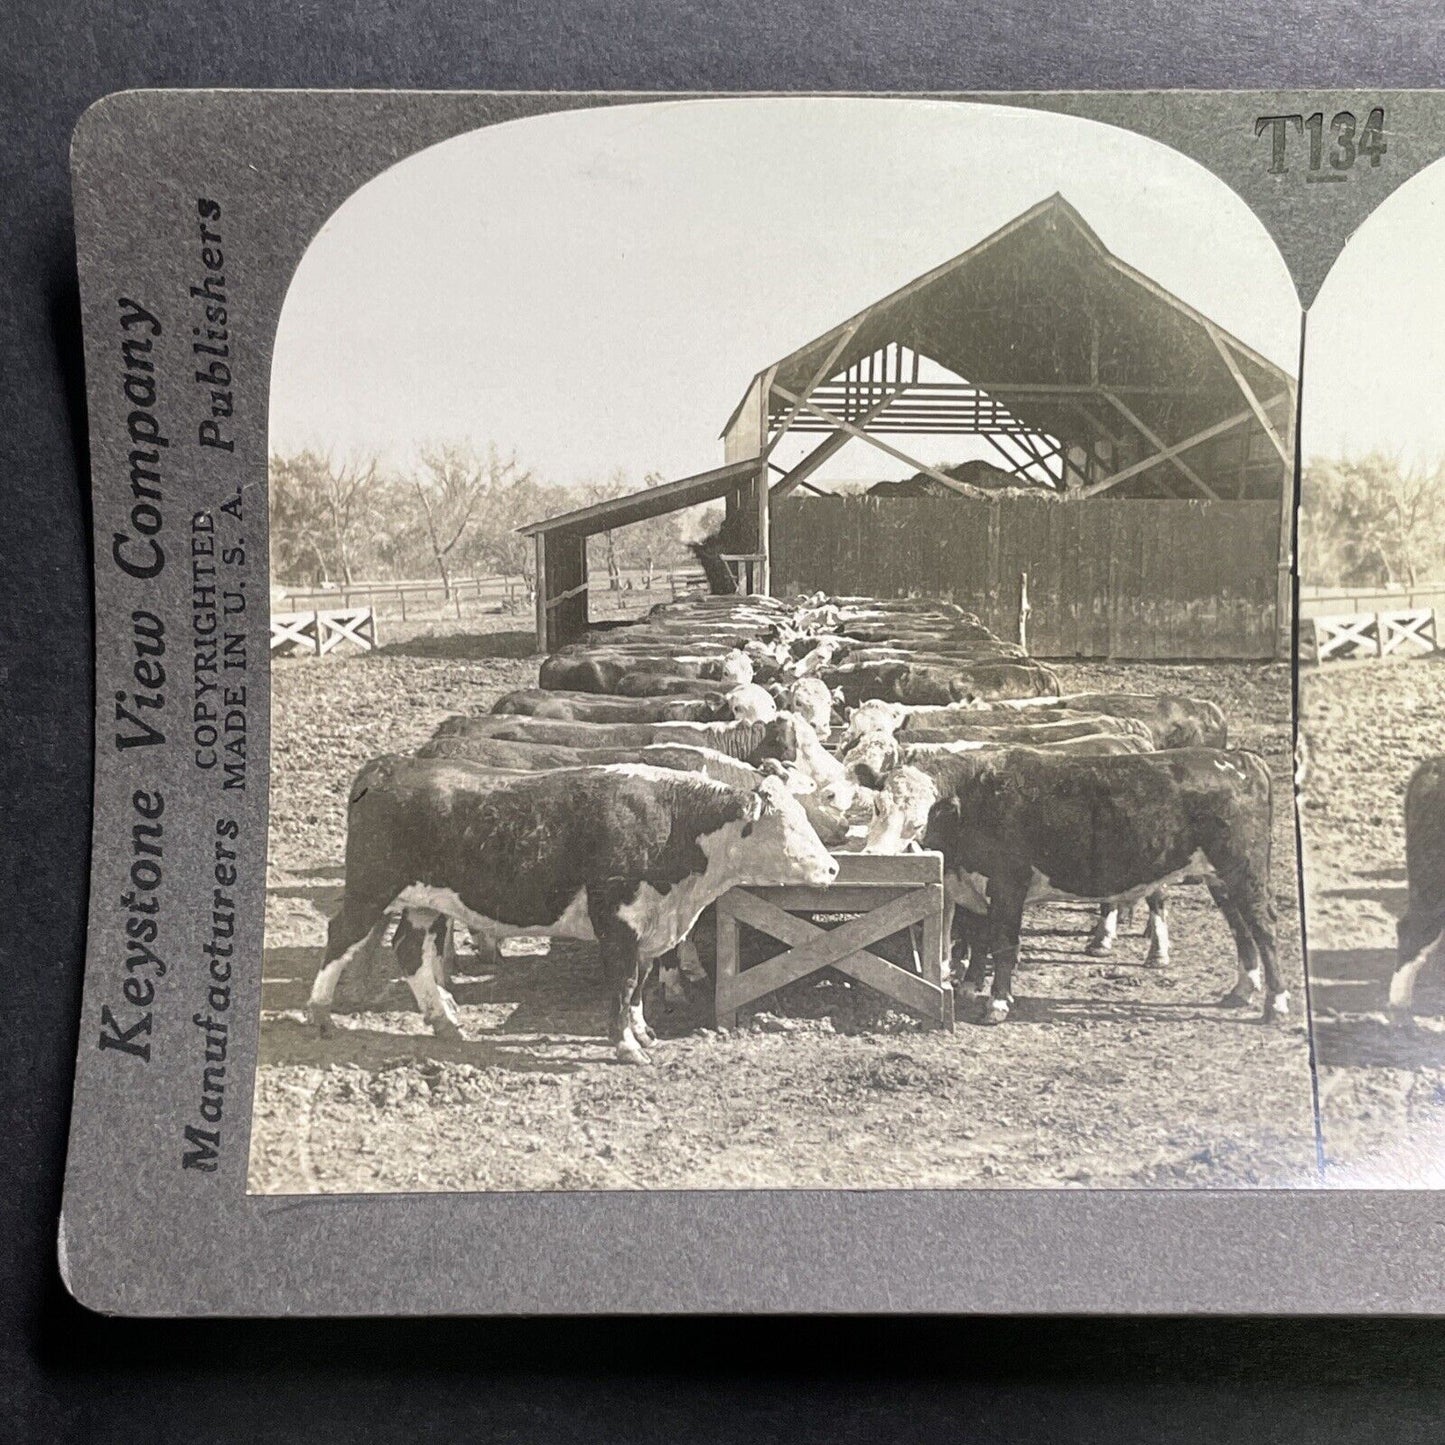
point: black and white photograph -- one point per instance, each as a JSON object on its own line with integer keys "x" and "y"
{"x": 1372, "y": 685}
{"x": 782, "y": 674}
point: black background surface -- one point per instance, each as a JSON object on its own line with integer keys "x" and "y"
{"x": 67, "y": 1374}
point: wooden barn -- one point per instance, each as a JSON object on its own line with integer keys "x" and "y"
{"x": 1138, "y": 500}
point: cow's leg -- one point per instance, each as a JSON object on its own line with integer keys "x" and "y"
{"x": 622, "y": 966}
{"x": 1402, "y": 982}
{"x": 352, "y": 932}
{"x": 366, "y": 978}
{"x": 1101, "y": 940}
{"x": 946, "y": 929}
{"x": 970, "y": 930}
{"x": 1006, "y": 898}
{"x": 447, "y": 961}
{"x": 1251, "y": 896}
{"x": 1246, "y": 985}
{"x": 420, "y": 941}
{"x": 1156, "y": 928}
{"x": 641, "y": 1029}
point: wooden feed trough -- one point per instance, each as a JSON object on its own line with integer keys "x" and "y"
{"x": 875, "y": 899}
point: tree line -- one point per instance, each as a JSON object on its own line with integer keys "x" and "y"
{"x": 454, "y": 513}
{"x": 1371, "y": 521}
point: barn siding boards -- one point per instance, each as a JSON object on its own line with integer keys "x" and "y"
{"x": 1131, "y": 579}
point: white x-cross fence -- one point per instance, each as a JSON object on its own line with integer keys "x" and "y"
{"x": 1337, "y": 623}
{"x": 322, "y": 630}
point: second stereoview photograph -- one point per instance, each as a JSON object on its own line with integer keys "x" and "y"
{"x": 782, "y": 675}
{"x": 1372, "y": 694}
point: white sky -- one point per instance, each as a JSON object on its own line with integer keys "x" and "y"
{"x": 1374, "y": 372}
{"x": 595, "y": 289}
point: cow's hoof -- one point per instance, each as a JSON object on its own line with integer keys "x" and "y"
{"x": 320, "y": 1017}
{"x": 996, "y": 1011}
{"x": 1237, "y": 999}
{"x": 444, "y": 1028}
{"x": 1276, "y": 1007}
{"x": 1156, "y": 960}
{"x": 1096, "y": 948}
{"x": 629, "y": 1053}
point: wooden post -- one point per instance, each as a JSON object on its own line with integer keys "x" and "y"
{"x": 762, "y": 574}
{"x": 541, "y": 564}
{"x": 727, "y": 963}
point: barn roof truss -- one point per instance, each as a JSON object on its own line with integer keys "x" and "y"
{"x": 1112, "y": 379}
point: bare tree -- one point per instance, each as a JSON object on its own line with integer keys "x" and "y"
{"x": 322, "y": 510}
{"x": 471, "y": 504}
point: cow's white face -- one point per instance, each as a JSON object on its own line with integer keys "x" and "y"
{"x": 851, "y": 800}
{"x": 901, "y": 814}
{"x": 780, "y": 845}
{"x": 752, "y": 704}
{"x": 876, "y": 716}
{"x": 737, "y": 668}
{"x": 811, "y": 700}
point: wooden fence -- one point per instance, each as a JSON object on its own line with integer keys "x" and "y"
{"x": 1125, "y": 579}
{"x": 322, "y": 630}
{"x": 427, "y": 599}
{"x": 1352, "y": 601}
{"x": 1327, "y": 638}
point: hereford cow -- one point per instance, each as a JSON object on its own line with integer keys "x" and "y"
{"x": 1175, "y": 721}
{"x": 626, "y": 855}
{"x": 601, "y": 671}
{"x": 592, "y": 707}
{"x": 751, "y": 742}
{"x": 902, "y": 682}
{"x": 810, "y": 699}
{"x": 1017, "y": 822}
{"x": 1420, "y": 934}
{"x": 870, "y": 758}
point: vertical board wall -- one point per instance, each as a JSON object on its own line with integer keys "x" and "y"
{"x": 1123, "y": 579}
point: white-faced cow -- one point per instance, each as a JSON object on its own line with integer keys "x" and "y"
{"x": 903, "y": 682}
{"x": 1420, "y": 934}
{"x": 604, "y": 671}
{"x": 1175, "y": 721}
{"x": 594, "y": 707}
{"x": 626, "y": 855}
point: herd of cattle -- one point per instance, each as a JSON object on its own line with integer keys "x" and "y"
{"x": 728, "y": 741}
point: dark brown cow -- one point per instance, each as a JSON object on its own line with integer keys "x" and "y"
{"x": 1017, "y": 822}
{"x": 1420, "y": 934}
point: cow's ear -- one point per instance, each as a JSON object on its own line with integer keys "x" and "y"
{"x": 752, "y": 810}
{"x": 947, "y": 811}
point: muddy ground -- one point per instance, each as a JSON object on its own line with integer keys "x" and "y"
{"x": 1107, "y": 1074}
{"x": 1382, "y": 1082}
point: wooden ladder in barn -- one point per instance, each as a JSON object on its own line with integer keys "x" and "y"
{"x": 874, "y": 897}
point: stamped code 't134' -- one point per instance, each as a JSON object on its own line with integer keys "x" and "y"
{"x": 1333, "y": 150}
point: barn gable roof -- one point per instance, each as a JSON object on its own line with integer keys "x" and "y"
{"x": 1040, "y": 303}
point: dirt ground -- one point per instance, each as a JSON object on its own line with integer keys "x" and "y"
{"x": 1381, "y": 1082}
{"x": 1108, "y": 1074}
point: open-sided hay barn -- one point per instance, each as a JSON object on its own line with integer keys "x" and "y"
{"x": 1142, "y": 497}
